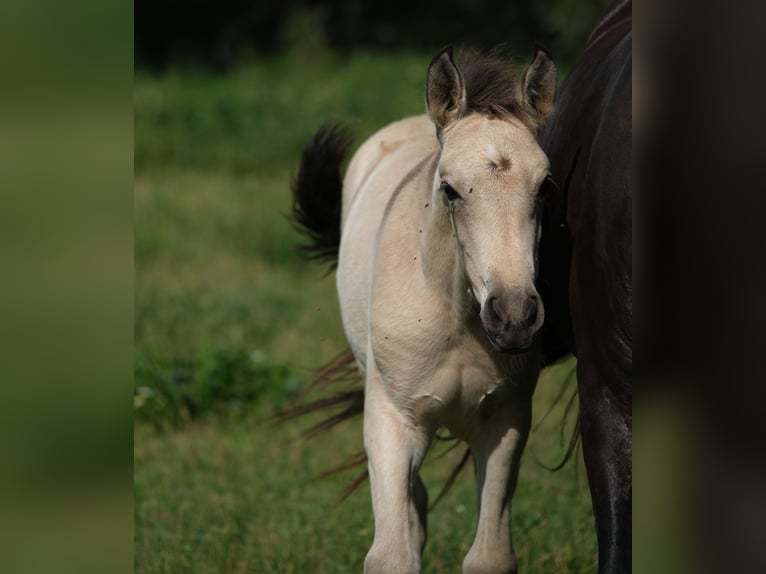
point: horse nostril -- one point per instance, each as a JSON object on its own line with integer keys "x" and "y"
{"x": 494, "y": 304}
{"x": 529, "y": 311}
{"x": 502, "y": 313}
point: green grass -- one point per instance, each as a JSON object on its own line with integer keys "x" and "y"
{"x": 228, "y": 321}
{"x": 258, "y": 118}
{"x": 240, "y": 497}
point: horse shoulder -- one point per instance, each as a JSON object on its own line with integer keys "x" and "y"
{"x": 396, "y": 142}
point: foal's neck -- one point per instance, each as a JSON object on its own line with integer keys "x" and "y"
{"x": 441, "y": 260}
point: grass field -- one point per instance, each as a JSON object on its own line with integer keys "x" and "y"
{"x": 228, "y": 322}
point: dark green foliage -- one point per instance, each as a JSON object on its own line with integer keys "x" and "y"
{"x": 221, "y": 34}
{"x": 226, "y": 382}
{"x": 258, "y": 118}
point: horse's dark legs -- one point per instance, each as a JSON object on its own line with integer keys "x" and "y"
{"x": 607, "y": 449}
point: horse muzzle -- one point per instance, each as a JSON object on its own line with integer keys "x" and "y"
{"x": 511, "y": 318}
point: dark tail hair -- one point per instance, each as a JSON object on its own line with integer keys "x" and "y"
{"x": 345, "y": 403}
{"x": 318, "y": 190}
{"x": 317, "y": 203}
{"x": 574, "y": 439}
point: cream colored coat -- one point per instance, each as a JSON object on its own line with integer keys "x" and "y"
{"x": 422, "y": 274}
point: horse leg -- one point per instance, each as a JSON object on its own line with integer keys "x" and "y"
{"x": 497, "y": 452}
{"x": 607, "y": 450}
{"x": 395, "y": 450}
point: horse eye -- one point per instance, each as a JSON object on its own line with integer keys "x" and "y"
{"x": 547, "y": 188}
{"x": 449, "y": 192}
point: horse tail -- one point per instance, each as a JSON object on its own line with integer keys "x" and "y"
{"x": 317, "y": 203}
{"x": 345, "y": 402}
{"x": 318, "y": 192}
{"x": 341, "y": 376}
{"x": 571, "y": 407}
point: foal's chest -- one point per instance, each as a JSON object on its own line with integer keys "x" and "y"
{"x": 455, "y": 380}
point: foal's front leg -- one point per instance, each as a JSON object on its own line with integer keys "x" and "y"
{"x": 395, "y": 450}
{"x": 497, "y": 452}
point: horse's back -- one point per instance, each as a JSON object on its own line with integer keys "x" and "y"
{"x": 394, "y": 146}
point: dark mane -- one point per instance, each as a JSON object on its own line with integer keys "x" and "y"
{"x": 491, "y": 84}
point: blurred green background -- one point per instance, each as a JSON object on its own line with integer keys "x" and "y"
{"x": 229, "y": 321}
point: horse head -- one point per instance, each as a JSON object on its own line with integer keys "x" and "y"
{"x": 492, "y": 177}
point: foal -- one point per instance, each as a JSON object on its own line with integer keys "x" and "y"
{"x": 439, "y": 226}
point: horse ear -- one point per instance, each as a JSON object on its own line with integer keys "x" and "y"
{"x": 538, "y": 85}
{"x": 445, "y": 90}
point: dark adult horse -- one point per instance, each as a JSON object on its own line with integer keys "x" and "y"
{"x": 585, "y": 276}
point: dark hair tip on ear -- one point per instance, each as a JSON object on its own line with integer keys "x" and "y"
{"x": 445, "y": 50}
{"x": 538, "y": 47}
